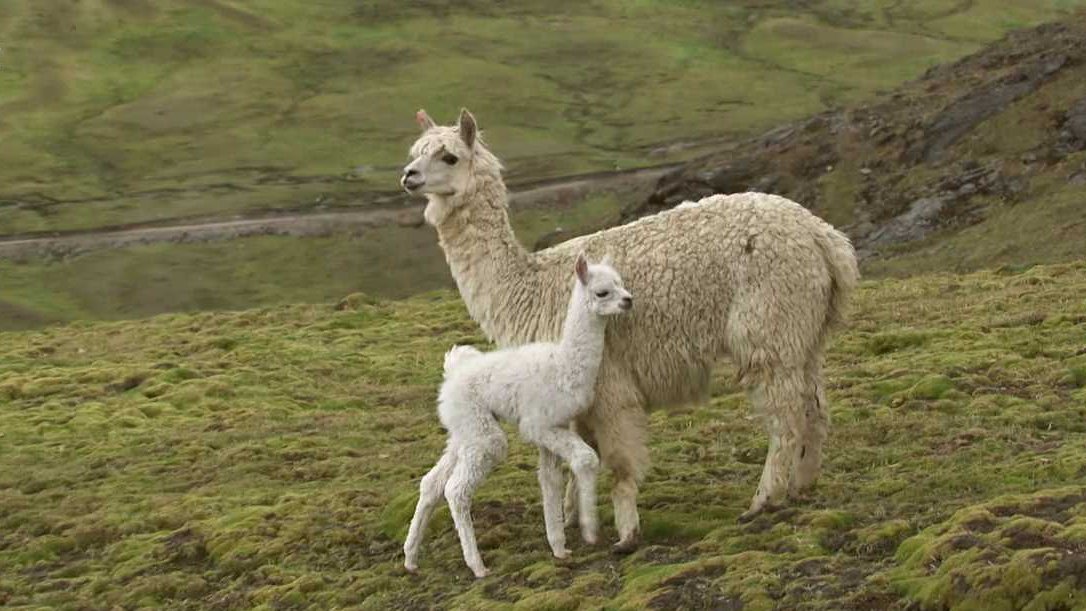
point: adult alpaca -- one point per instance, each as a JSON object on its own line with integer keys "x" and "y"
{"x": 753, "y": 276}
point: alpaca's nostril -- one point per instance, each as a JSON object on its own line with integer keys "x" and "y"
{"x": 412, "y": 180}
{"x": 627, "y": 303}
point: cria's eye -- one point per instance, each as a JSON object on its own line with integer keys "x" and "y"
{"x": 602, "y": 294}
{"x": 449, "y": 158}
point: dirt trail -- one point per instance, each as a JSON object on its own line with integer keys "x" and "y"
{"x": 399, "y": 211}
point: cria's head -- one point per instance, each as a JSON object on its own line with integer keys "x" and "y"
{"x": 603, "y": 288}
{"x": 445, "y": 159}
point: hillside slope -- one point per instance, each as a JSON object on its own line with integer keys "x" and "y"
{"x": 121, "y": 111}
{"x": 271, "y": 457}
{"x": 978, "y": 163}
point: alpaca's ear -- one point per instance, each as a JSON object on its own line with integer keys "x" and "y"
{"x": 424, "y": 120}
{"x": 581, "y": 267}
{"x": 467, "y": 127}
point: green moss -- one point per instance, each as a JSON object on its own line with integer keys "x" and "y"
{"x": 930, "y": 387}
{"x": 142, "y": 464}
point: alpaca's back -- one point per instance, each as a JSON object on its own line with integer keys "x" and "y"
{"x": 746, "y": 274}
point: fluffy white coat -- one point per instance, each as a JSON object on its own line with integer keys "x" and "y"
{"x": 540, "y": 388}
{"x": 750, "y": 276}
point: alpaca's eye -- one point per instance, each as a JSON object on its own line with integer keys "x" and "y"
{"x": 449, "y": 158}
{"x": 602, "y": 294}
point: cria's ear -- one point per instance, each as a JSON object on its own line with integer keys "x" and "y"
{"x": 424, "y": 120}
{"x": 581, "y": 267}
{"x": 467, "y": 127}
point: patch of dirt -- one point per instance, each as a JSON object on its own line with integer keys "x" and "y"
{"x": 389, "y": 209}
{"x": 184, "y": 547}
{"x": 237, "y": 15}
{"x": 18, "y": 317}
{"x": 696, "y": 590}
{"x": 1044, "y": 508}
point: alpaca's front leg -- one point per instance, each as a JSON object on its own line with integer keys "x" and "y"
{"x": 550, "y": 485}
{"x": 618, "y": 423}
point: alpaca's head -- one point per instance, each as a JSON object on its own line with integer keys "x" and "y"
{"x": 446, "y": 161}
{"x": 602, "y": 287}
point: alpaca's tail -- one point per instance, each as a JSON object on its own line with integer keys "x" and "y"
{"x": 457, "y": 355}
{"x": 840, "y": 259}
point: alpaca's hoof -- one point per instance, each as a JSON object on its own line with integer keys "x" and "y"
{"x": 480, "y": 572}
{"x": 754, "y": 512}
{"x": 626, "y": 546}
{"x": 411, "y": 567}
{"x": 749, "y": 515}
{"x": 800, "y": 496}
{"x": 590, "y": 538}
{"x": 562, "y": 554}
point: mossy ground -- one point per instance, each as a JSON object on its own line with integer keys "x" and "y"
{"x": 270, "y": 458}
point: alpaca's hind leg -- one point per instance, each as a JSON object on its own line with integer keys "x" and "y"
{"x": 779, "y": 397}
{"x": 808, "y": 463}
{"x": 570, "y": 504}
{"x": 433, "y": 483}
{"x": 550, "y": 485}
{"x": 619, "y": 424}
{"x": 472, "y": 466}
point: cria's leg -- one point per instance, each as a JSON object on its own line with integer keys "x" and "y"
{"x": 433, "y": 483}
{"x": 550, "y": 485}
{"x": 779, "y": 398}
{"x": 808, "y": 463}
{"x": 473, "y": 463}
{"x": 570, "y": 505}
{"x": 584, "y": 463}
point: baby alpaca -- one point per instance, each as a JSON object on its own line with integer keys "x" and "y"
{"x": 541, "y": 388}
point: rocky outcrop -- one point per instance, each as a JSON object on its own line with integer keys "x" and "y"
{"x": 907, "y": 165}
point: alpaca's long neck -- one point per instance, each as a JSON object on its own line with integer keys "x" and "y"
{"x": 581, "y": 348}
{"x": 496, "y": 276}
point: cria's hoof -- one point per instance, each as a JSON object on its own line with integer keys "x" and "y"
{"x": 562, "y": 554}
{"x": 480, "y": 573}
{"x": 626, "y": 546}
{"x": 411, "y": 568}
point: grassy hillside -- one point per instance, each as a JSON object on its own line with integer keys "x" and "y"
{"x": 392, "y": 261}
{"x": 121, "y": 111}
{"x": 980, "y": 162}
{"x": 269, "y": 458}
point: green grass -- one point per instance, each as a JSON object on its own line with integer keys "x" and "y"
{"x": 269, "y": 459}
{"x": 141, "y": 110}
{"x": 140, "y": 281}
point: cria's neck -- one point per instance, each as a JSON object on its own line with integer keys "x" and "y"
{"x": 581, "y": 347}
